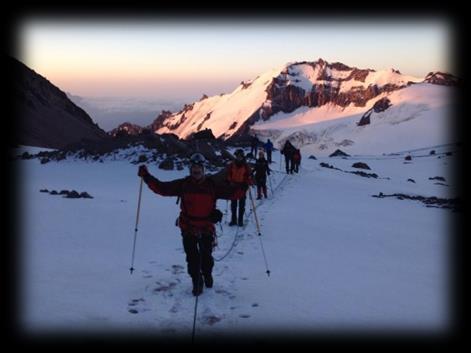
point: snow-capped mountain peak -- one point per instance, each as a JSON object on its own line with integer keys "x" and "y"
{"x": 297, "y": 85}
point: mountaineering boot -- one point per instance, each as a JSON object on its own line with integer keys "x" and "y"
{"x": 208, "y": 280}
{"x": 197, "y": 285}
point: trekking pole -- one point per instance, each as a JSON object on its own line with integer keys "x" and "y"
{"x": 197, "y": 296}
{"x": 227, "y": 208}
{"x": 280, "y": 161}
{"x": 254, "y": 212}
{"x": 271, "y": 186}
{"x": 259, "y": 234}
{"x": 131, "y": 269}
{"x": 194, "y": 320}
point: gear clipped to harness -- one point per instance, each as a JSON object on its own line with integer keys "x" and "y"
{"x": 215, "y": 216}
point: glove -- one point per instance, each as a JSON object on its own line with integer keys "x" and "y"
{"x": 244, "y": 186}
{"x": 142, "y": 171}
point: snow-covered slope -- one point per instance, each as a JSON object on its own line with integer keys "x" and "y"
{"x": 224, "y": 114}
{"x": 340, "y": 260}
{"x": 419, "y": 115}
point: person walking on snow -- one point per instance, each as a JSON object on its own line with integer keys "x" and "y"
{"x": 261, "y": 170}
{"x": 198, "y": 194}
{"x": 238, "y": 173}
{"x": 296, "y": 160}
{"x": 254, "y": 145}
{"x": 268, "y": 149}
{"x": 288, "y": 151}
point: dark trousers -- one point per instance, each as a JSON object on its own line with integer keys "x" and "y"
{"x": 289, "y": 164}
{"x": 261, "y": 186}
{"x": 269, "y": 156}
{"x": 260, "y": 189}
{"x": 241, "y": 204}
{"x": 198, "y": 250}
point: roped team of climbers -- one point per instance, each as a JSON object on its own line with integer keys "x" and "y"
{"x": 198, "y": 194}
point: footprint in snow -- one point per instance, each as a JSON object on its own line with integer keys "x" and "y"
{"x": 164, "y": 287}
{"x": 132, "y": 306}
{"x": 211, "y": 319}
{"x": 244, "y": 316}
{"x": 177, "y": 269}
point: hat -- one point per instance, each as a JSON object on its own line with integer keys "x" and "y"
{"x": 198, "y": 159}
{"x": 239, "y": 152}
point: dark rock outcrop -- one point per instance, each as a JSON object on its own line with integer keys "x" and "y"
{"x": 126, "y": 129}
{"x": 159, "y": 121}
{"x": 437, "y": 178}
{"x": 206, "y": 134}
{"x": 339, "y": 153}
{"x": 365, "y": 119}
{"x": 443, "y": 79}
{"x": 361, "y": 165}
{"x": 69, "y": 194}
{"x": 286, "y": 96}
{"x": 453, "y": 204}
{"x": 366, "y": 175}
{"x": 167, "y": 164}
{"x": 381, "y": 105}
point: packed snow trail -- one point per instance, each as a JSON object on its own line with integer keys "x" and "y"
{"x": 339, "y": 258}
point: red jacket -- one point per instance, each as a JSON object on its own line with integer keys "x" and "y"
{"x": 198, "y": 199}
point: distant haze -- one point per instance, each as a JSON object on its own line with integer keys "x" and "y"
{"x": 109, "y": 112}
{"x": 181, "y": 59}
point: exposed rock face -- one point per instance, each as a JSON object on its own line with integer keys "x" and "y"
{"x": 365, "y": 119}
{"x": 126, "y": 129}
{"x": 310, "y": 84}
{"x": 158, "y": 122}
{"x": 286, "y": 96}
{"x": 46, "y": 116}
{"x": 203, "y": 135}
{"x": 441, "y": 78}
{"x": 167, "y": 164}
{"x": 361, "y": 165}
{"x": 339, "y": 153}
{"x": 380, "y": 106}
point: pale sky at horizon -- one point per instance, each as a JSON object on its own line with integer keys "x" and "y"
{"x": 181, "y": 59}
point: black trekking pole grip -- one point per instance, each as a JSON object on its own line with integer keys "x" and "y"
{"x": 131, "y": 269}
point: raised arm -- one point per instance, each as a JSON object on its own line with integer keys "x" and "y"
{"x": 164, "y": 188}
